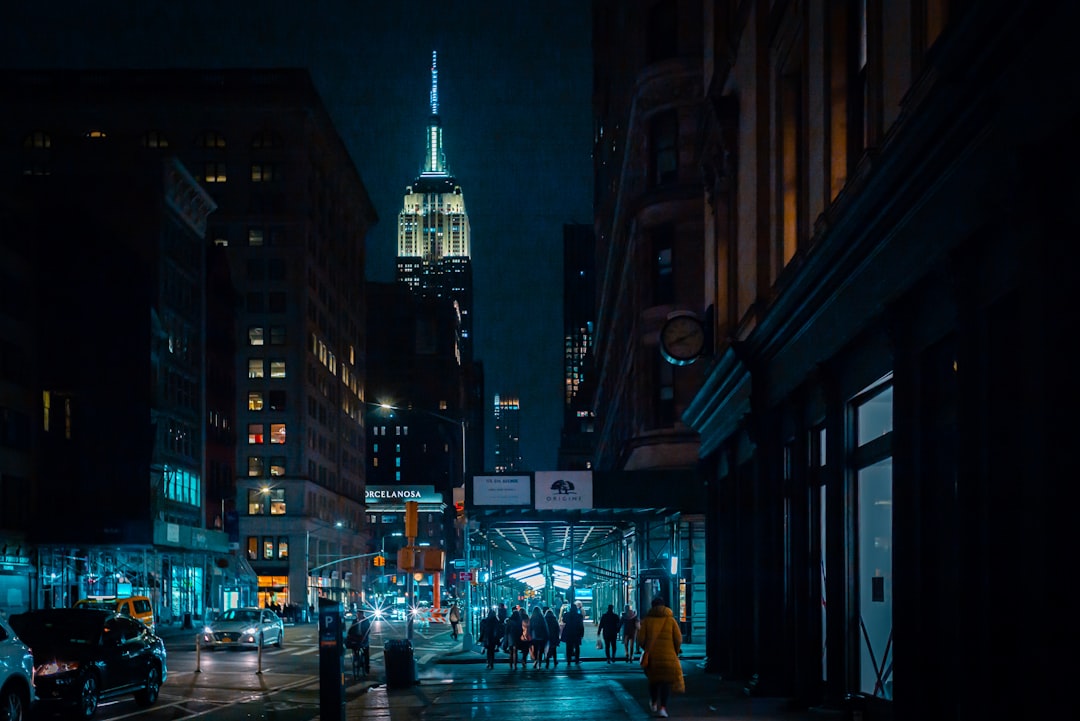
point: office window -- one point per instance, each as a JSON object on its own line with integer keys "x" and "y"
{"x": 255, "y": 237}
{"x": 255, "y": 433}
{"x": 265, "y": 139}
{"x": 210, "y": 139}
{"x": 264, "y": 172}
{"x": 256, "y": 502}
{"x": 277, "y": 466}
{"x": 37, "y": 139}
{"x": 268, "y": 547}
{"x": 255, "y": 400}
{"x": 256, "y": 368}
{"x": 252, "y": 547}
{"x": 276, "y": 303}
{"x": 283, "y": 547}
{"x": 277, "y": 433}
{"x": 276, "y": 400}
{"x": 153, "y": 139}
{"x": 277, "y": 369}
{"x": 255, "y": 335}
{"x": 255, "y": 467}
{"x": 254, "y": 302}
{"x": 277, "y": 335}
{"x": 213, "y": 171}
{"x": 277, "y": 501}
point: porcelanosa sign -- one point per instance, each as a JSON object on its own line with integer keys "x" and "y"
{"x": 563, "y": 490}
{"x": 397, "y": 495}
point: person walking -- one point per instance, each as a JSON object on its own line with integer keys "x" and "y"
{"x": 661, "y": 640}
{"x": 608, "y": 628}
{"x": 514, "y": 638}
{"x": 358, "y": 638}
{"x": 502, "y": 615}
{"x": 455, "y": 621}
{"x": 630, "y": 623}
{"x": 491, "y": 634}
{"x": 553, "y": 638}
{"x": 572, "y": 633}
{"x": 537, "y": 635}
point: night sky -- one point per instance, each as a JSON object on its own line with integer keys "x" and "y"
{"x": 514, "y": 89}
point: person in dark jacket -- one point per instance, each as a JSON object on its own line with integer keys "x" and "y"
{"x": 572, "y": 633}
{"x": 553, "y": 638}
{"x": 502, "y": 615}
{"x": 537, "y": 635}
{"x": 630, "y": 624}
{"x": 491, "y": 635}
{"x": 608, "y": 628}
{"x": 514, "y": 643}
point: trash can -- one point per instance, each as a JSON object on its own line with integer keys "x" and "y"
{"x": 399, "y": 663}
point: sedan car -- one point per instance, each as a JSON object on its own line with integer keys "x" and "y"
{"x": 16, "y": 676}
{"x": 82, "y": 656}
{"x": 244, "y": 627}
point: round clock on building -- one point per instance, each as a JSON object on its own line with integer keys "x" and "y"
{"x": 682, "y": 338}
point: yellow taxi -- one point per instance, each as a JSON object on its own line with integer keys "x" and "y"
{"x": 134, "y": 606}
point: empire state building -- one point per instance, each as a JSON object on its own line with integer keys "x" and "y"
{"x": 433, "y": 230}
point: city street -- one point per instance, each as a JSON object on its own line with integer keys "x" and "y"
{"x": 452, "y": 683}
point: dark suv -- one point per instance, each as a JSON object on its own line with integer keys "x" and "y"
{"x": 82, "y": 656}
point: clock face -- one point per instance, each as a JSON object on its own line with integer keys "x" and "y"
{"x": 682, "y": 339}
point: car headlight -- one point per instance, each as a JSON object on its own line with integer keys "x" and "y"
{"x": 250, "y": 631}
{"x": 54, "y": 667}
{"x": 208, "y": 631}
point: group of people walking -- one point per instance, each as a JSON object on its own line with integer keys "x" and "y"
{"x": 535, "y": 637}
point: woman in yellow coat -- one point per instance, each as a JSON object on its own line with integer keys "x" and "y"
{"x": 661, "y": 638}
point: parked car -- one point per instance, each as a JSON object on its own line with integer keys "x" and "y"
{"x": 16, "y": 676}
{"x": 135, "y": 606}
{"x": 82, "y": 656}
{"x": 244, "y": 627}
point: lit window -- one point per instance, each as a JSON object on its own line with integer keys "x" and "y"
{"x": 255, "y": 236}
{"x": 268, "y": 547}
{"x": 282, "y": 547}
{"x": 255, "y": 400}
{"x": 256, "y": 368}
{"x": 277, "y": 502}
{"x": 255, "y": 467}
{"x": 255, "y": 433}
{"x": 96, "y": 134}
{"x": 277, "y": 466}
{"x": 277, "y": 433}
{"x": 210, "y": 139}
{"x": 252, "y": 547}
{"x": 154, "y": 139}
{"x": 37, "y": 139}
{"x": 277, "y": 369}
{"x": 214, "y": 172}
{"x": 264, "y": 172}
{"x": 255, "y": 336}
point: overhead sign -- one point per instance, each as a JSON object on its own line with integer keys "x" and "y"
{"x": 398, "y": 495}
{"x": 501, "y": 491}
{"x": 564, "y": 490}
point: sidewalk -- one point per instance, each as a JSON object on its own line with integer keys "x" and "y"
{"x": 708, "y": 696}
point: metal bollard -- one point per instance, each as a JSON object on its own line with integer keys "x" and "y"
{"x": 260, "y": 654}
{"x": 198, "y": 653}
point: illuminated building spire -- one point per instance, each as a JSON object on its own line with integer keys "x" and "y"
{"x": 434, "y": 158}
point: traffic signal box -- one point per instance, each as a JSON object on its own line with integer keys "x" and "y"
{"x": 379, "y": 560}
{"x": 411, "y": 519}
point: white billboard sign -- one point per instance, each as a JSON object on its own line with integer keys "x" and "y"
{"x": 501, "y": 491}
{"x": 563, "y": 490}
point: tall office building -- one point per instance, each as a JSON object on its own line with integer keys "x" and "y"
{"x": 433, "y": 229}
{"x": 507, "y": 434}
{"x": 247, "y": 356}
{"x": 579, "y": 319}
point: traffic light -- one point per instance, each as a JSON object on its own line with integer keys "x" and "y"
{"x": 380, "y": 560}
{"x": 411, "y": 522}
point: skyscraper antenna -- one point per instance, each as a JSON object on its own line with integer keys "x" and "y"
{"x": 434, "y": 85}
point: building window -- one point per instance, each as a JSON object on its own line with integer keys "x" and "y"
{"x": 791, "y": 170}
{"x": 256, "y": 269}
{"x": 154, "y": 139}
{"x": 252, "y": 547}
{"x": 268, "y": 547}
{"x": 256, "y": 368}
{"x": 277, "y": 501}
{"x": 256, "y": 237}
{"x": 277, "y": 433}
{"x": 265, "y": 139}
{"x": 210, "y": 139}
{"x": 277, "y": 466}
{"x": 214, "y": 172}
{"x": 276, "y": 303}
{"x": 255, "y": 433}
{"x": 277, "y": 335}
{"x": 254, "y": 302}
{"x": 255, "y": 467}
{"x": 255, "y": 400}
{"x": 277, "y": 369}
{"x": 663, "y": 148}
{"x": 264, "y": 173}
{"x": 256, "y": 500}
{"x": 276, "y": 269}
{"x": 283, "y": 547}
{"x": 37, "y": 139}
{"x": 276, "y": 400}
{"x": 255, "y": 335}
